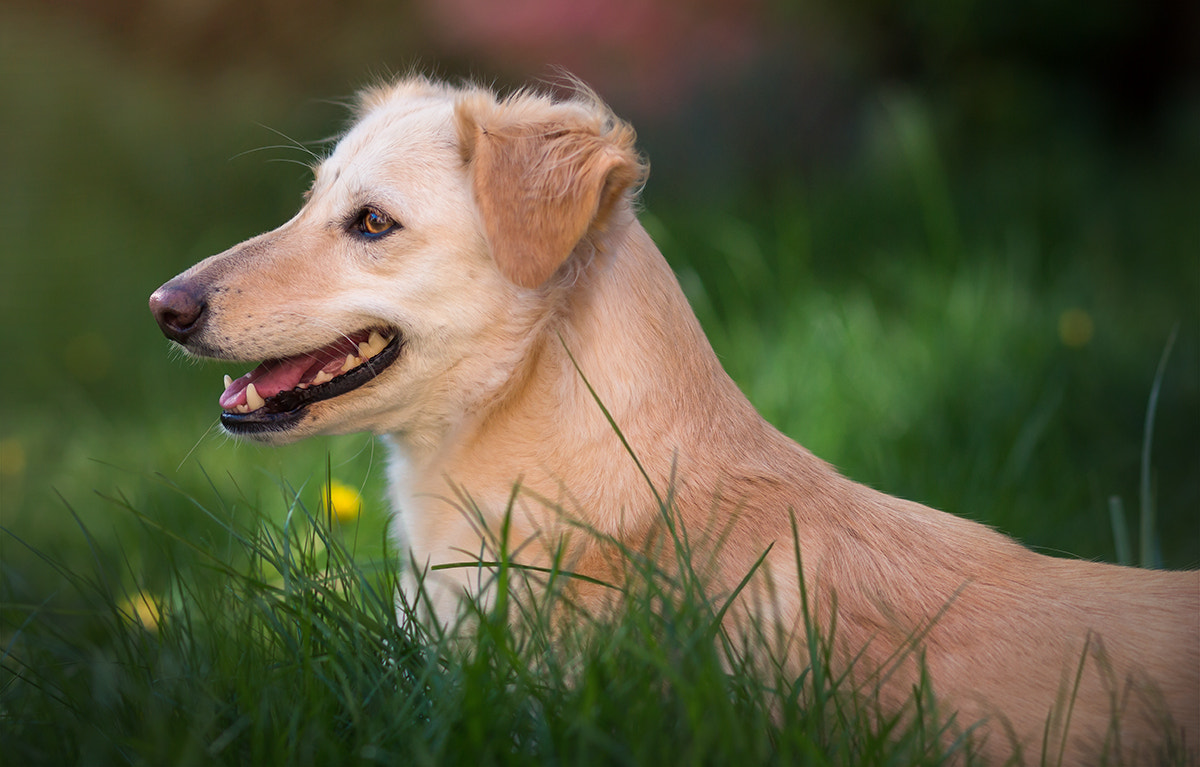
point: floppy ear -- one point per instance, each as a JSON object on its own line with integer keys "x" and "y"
{"x": 542, "y": 186}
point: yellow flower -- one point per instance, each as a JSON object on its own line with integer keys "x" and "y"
{"x": 143, "y": 608}
{"x": 12, "y": 457}
{"x": 345, "y": 501}
{"x": 1075, "y": 328}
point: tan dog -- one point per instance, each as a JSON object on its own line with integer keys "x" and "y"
{"x": 462, "y": 260}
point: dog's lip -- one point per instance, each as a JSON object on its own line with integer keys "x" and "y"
{"x": 307, "y": 369}
{"x": 282, "y": 409}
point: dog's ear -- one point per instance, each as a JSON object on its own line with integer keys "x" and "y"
{"x": 542, "y": 185}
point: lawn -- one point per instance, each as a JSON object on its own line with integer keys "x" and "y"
{"x": 975, "y": 320}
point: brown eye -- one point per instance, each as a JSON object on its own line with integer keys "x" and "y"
{"x": 373, "y": 223}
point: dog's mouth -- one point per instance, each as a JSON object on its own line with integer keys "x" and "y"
{"x": 276, "y": 393}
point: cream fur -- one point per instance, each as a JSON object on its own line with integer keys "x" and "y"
{"x": 520, "y": 243}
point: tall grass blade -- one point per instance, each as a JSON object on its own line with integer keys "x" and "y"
{"x": 1151, "y": 553}
{"x": 613, "y": 423}
{"x": 1116, "y": 517}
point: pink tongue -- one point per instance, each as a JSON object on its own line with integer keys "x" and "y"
{"x": 274, "y": 376}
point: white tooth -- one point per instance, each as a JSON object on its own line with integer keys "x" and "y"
{"x": 242, "y": 408}
{"x": 228, "y": 381}
{"x": 350, "y": 363}
{"x": 302, "y": 386}
{"x": 252, "y": 398}
{"x": 376, "y": 342}
{"x": 364, "y": 350}
{"x": 321, "y": 377}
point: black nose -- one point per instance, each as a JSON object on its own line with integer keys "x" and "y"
{"x": 179, "y": 311}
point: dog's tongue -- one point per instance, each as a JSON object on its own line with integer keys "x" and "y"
{"x": 274, "y": 376}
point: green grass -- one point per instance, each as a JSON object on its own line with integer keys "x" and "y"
{"x": 915, "y": 314}
{"x": 276, "y": 645}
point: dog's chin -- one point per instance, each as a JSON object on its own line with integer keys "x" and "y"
{"x": 276, "y": 429}
{"x": 294, "y": 414}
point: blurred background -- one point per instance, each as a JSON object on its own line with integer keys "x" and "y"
{"x": 943, "y": 244}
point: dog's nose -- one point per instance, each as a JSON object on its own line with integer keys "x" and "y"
{"x": 179, "y": 311}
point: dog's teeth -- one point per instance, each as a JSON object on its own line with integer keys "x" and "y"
{"x": 364, "y": 350}
{"x": 242, "y": 408}
{"x": 321, "y": 377}
{"x": 252, "y": 398}
{"x": 302, "y": 386}
{"x": 350, "y": 363}
{"x": 228, "y": 381}
{"x": 376, "y": 343}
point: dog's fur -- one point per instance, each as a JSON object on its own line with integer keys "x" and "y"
{"x": 520, "y": 283}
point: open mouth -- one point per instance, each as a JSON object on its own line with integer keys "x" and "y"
{"x": 276, "y": 393}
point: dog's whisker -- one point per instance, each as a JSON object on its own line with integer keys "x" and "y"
{"x": 290, "y": 161}
{"x": 214, "y": 425}
{"x": 270, "y": 147}
{"x": 293, "y": 142}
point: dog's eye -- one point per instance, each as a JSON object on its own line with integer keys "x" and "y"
{"x": 373, "y": 223}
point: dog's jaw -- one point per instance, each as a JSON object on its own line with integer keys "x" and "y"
{"x": 249, "y": 412}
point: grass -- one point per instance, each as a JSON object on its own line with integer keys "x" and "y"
{"x": 973, "y": 320}
{"x": 286, "y": 650}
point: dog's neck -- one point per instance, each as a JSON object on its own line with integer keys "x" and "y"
{"x": 620, "y": 335}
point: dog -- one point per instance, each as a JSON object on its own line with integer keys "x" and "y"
{"x": 468, "y": 278}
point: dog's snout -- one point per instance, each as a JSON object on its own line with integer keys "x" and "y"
{"x": 178, "y": 310}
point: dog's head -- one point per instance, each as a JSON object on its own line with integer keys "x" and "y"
{"x": 429, "y": 250}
